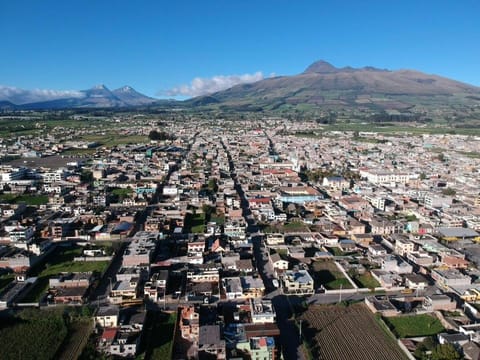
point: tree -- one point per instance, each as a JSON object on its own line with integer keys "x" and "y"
{"x": 449, "y": 192}
{"x": 423, "y": 176}
{"x": 160, "y": 135}
{"x": 445, "y": 352}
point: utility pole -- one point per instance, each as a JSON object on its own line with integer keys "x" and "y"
{"x": 300, "y": 329}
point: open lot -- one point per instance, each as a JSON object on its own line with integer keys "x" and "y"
{"x": 366, "y": 281}
{"x": 326, "y": 273}
{"x": 60, "y": 260}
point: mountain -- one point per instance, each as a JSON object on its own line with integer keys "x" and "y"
{"x": 7, "y": 106}
{"x": 132, "y": 97}
{"x": 97, "y": 97}
{"x": 324, "y": 86}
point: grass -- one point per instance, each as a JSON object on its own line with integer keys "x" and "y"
{"x": 160, "y": 336}
{"x": 295, "y": 226}
{"x": 195, "y": 223}
{"x": 113, "y": 139}
{"x": 336, "y": 251}
{"x": 60, "y": 260}
{"x": 219, "y": 220}
{"x": 415, "y": 325}
{"x": 327, "y": 274}
{"x": 366, "y": 281}
{"x": 27, "y": 199}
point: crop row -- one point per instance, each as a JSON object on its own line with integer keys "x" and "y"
{"x": 348, "y": 332}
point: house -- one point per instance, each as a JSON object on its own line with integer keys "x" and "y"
{"x": 278, "y": 263}
{"x": 189, "y": 323}
{"x": 275, "y": 239}
{"x": 107, "y": 316}
{"x": 415, "y": 281}
{"x": 377, "y": 250}
{"x": 245, "y": 266}
{"x": 262, "y": 311}
{"x": 210, "y": 344}
{"x": 258, "y": 348}
{"x": 382, "y": 305}
{"x": 450, "y": 278}
{"x": 454, "y": 262}
{"x": 456, "y": 339}
{"x": 335, "y": 183}
{"x": 347, "y": 245}
{"x": 438, "y": 302}
{"x": 233, "y": 288}
{"x": 195, "y": 248}
{"x": 403, "y": 246}
{"x": 396, "y": 265}
{"x": 298, "y": 282}
{"x": 252, "y": 287}
{"x": 296, "y": 252}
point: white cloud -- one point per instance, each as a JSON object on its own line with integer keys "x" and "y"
{"x": 202, "y": 86}
{"x": 21, "y": 96}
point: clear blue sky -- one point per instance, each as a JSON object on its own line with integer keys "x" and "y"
{"x": 157, "y": 45}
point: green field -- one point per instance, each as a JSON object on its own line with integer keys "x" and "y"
{"x": 60, "y": 260}
{"x": 27, "y": 199}
{"x": 415, "y": 325}
{"x": 366, "y": 281}
{"x": 32, "y": 334}
{"x": 390, "y": 128}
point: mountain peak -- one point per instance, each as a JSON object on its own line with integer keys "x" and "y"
{"x": 126, "y": 88}
{"x": 320, "y": 66}
{"x": 100, "y": 87}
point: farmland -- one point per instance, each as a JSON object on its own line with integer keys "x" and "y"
{"x": 336, "y": 332}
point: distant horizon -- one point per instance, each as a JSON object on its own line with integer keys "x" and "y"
{"x": 180, "y": 50}
{"x": 181, "y": 97}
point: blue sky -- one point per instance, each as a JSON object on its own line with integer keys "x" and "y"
{"x": 158, "y": 46}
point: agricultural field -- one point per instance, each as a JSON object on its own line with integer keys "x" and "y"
{"x": 326, "y": 273}
{"x": 415, "y": 325}
{"x": 32, "y": 334}
{"x": 338, "y": 332}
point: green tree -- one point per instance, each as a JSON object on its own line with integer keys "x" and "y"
{"x": 445, "y": 352}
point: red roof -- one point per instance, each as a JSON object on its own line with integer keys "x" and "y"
{"x": 260, "y": 200}
{"x": 109, "y": 333}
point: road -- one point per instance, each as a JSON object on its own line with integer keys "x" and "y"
{"x": 289, "y": 334}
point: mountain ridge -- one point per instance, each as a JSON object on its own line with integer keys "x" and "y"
{"x": 98, "y": 96}
{"x": 324, "y": 86}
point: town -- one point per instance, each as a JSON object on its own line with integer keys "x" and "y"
{"x": 198, "y": 238}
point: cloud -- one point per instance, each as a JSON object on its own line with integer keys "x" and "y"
{"x": 21, "y": 96}
{"x": 202, "y": 86}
